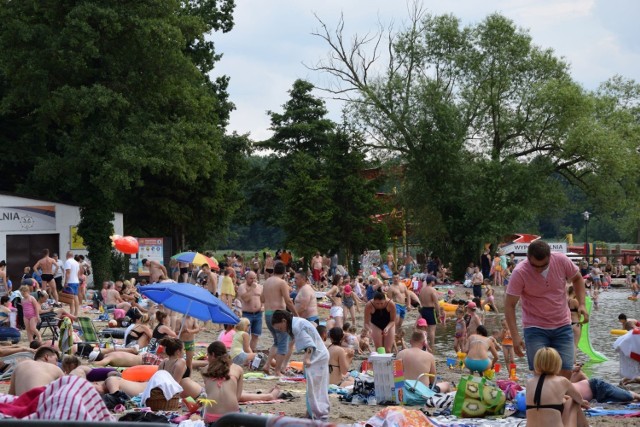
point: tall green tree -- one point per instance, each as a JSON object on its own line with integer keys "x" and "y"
{"x": 483, "y": 118}
{"x": 109, "y": 95}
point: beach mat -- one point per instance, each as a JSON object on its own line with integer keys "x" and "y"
{"x": 263, "y": 402}
{"x": 452, "y": 421}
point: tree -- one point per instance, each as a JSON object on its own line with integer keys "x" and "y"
{"x": 109, "y": 96}
{"x": 302, "y": 126}
{"x": 307, "y": 210}
{"x": 482, "y": 117}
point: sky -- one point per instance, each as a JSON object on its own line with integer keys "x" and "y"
{"x": 272, "y": 40}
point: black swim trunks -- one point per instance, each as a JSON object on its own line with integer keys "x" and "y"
{"x": 428, "y": 314}
{"x": 47, "y": 277}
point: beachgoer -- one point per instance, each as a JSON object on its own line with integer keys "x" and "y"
{"x": 379, "y": 318}
{"x": 249, "y": 293}
{"x": 155, "y": 270}
{"x": 275, "y": 296}
{"x": 599, "y": 390}
{"x": 39, "y": 372}
{"x": 240, "y": 351}
{"x": 460, "y": 337}
{"x": 399, "y": 294}
{"x": 474, "y": 320}
{"x": 190, "y": 328}
{"x": 48, "y": 266}
{"x": 306, "y": 303}
{"x": 226, "y": 335}
{"x": 576, "y": 324}
{"x": 30, "y": 313}
{"x": 174, "y": 363}
{"x": 72, "y": 282}
{"x": 315, "y": 361}
{"x": 490, "y": 300}
{"x": 223, "y": 383}
{"x": 339, "y": 361}
{"x": 551, "y": 399}
{"x": 365, "y": 341}
{"x": 350, "y": 301}
{"x": 479, "y": 345}
{"x": 316, "y": 263}
{"x": 539, "y": 282}
{"x": 428, "y": 306}
{"x": 507, "y": 344}
{"x": 335, "y": 295}
{"x": 161, "y": 330}
{"x": 416, "y": 361}
{"x": 626, "y": 323}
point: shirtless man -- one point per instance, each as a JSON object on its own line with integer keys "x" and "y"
{"x": 49, "y": 268}
{"x": 428, "y": 309}
{"x": 316, "y": 263}
{"x": 250, "y": 293}
{"x": 416, "y": 362}
{"x": 39, "y": 372}
{"x": 306, "y": 302}
{"x": 626, "y": 323}
{"x": 211, "y": 279}
{"x": 255, "y": 264}
{"x": 275, "y": 296}
{"x": 400, "y": 296}
{"x": 114, "y": 299}
{"x": 155, "y": 270}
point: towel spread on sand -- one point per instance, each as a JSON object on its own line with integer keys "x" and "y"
{"x": 68, "y": 398}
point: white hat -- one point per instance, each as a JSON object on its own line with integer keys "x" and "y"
{"x": 93, "y": 355}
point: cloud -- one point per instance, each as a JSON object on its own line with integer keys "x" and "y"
{"x": 265, "y": 52}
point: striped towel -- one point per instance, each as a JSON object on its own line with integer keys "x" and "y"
{"x": 68, "y": 398}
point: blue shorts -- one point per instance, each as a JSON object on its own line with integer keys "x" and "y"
{"x": 603, "y": 392}
{"x": 315, "y": 319}
{"x": 560, "y": 339}
{"x": 72, "y": 288}
{"x": 280, "y": 339}
{"x": 256, "y": 322}
{"x": 477, "y": 365}
{"x": 401, "y": 310}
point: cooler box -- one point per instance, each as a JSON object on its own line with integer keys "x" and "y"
{"x": 388, "y": 377}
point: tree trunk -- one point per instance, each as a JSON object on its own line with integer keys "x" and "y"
{"x": 95, "y": 228}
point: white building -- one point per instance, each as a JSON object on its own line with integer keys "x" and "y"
{"x": 27, "y": 226}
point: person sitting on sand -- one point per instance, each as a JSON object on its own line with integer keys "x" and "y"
{"x": 416, "y": 362}
{"x": 39, "y": 372}
{"x": 551, "y": 398}
{"x": 174, "y": 363}
{"x": 598, "y": 389}
{"x": 240, "y": 351}
{"x": 339, "y": 362}
{"x": 223, "y": 383}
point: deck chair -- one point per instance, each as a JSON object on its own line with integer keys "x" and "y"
{"x": 11, "y": 360}
{"x": 89, "y": 334}
{"x": 49, "y": 322}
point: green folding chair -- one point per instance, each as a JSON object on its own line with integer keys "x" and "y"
{"x": 89, "y": 333}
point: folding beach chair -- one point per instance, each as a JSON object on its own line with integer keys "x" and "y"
{"x": 88, "y": 329}
{"x": 49, "y": 322}
{"x": 11, "y": 360}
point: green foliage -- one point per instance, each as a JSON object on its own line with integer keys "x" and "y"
{"x": 112, "y": 100}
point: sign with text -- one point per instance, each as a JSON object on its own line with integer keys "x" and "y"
{"x": 151, "y": 248}
{"x": 521, "y": 248}
{"x": 27, "y": 218}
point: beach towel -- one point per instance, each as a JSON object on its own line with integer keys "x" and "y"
{"x": 263, "y": 402}
{"x": 452, "y": 421}
{"x": 65, "y": 343}
{"x": 68, "y": 398}
{"x": 397, "y": 416}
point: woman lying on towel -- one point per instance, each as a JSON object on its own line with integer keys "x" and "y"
{"x": 124, "y": 359}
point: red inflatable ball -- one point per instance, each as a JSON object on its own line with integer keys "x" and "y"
{"x": 127, "y": 244}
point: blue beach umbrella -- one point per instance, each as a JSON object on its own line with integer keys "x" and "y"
{"x": 190, "y": 300}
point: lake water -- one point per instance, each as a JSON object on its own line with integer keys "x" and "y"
{"x": 611, "y": 304}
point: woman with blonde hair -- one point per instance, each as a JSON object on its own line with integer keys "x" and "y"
{"x": 240, "y": 351}
{"x": 551, "y": 399}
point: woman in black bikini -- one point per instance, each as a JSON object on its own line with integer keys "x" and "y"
{"x": 551, "y": 399}
{"x": 175, "y": 364}
{"x": 339, "y": 363}
{"x": 380, "y": 318}
{"x": 161, "y": 331}
{"x": 140, "y": 334}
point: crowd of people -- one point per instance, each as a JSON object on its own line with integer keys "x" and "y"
{"x": 270, "y": 292}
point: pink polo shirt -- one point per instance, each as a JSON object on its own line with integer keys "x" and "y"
{"x": 544, "y": 300}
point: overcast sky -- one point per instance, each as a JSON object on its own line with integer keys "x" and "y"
{"x": 265, "y": 52}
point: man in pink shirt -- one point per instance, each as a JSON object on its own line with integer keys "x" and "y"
{"x": 540, "y": 283}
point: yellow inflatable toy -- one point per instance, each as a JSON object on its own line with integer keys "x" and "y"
{"x": 618, "y": 332}
{"x": 448, "y": 307}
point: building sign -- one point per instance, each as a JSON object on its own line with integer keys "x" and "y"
{"x": 28, "y": 218}
{"x": 151, "y": 249}
{"x": 77, "y": 242}
{"x": 521, "y": 248}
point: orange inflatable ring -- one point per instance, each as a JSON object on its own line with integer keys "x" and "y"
{"x": 140, "y": 373}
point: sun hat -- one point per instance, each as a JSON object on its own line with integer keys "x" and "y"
{"x": 422, "y": 322}
{"x": 348, "y": 290}
{"x": 471, "y": 305}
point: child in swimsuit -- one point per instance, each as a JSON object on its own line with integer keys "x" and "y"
{"x": 507, "y": 344}
{"x": 552, "y": 399}
{"x": 31, "y": 313}
{"x": 461, "y": 331}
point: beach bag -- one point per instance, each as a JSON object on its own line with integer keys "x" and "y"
{"x": 111, "y": 400}
{"x": 363, "y": 386}
{"x": 416, "y": 393}
{"x": 477, "y": 398}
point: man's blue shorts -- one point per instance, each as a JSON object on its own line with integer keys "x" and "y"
{"x": 603, "y": 392}
{"x": 280, "y": 339}
{"x": 256, "y": 321}
{"x": 72, "y": 288}
{"x": 560, "y": 339}
{"x": 401, "y": 310}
